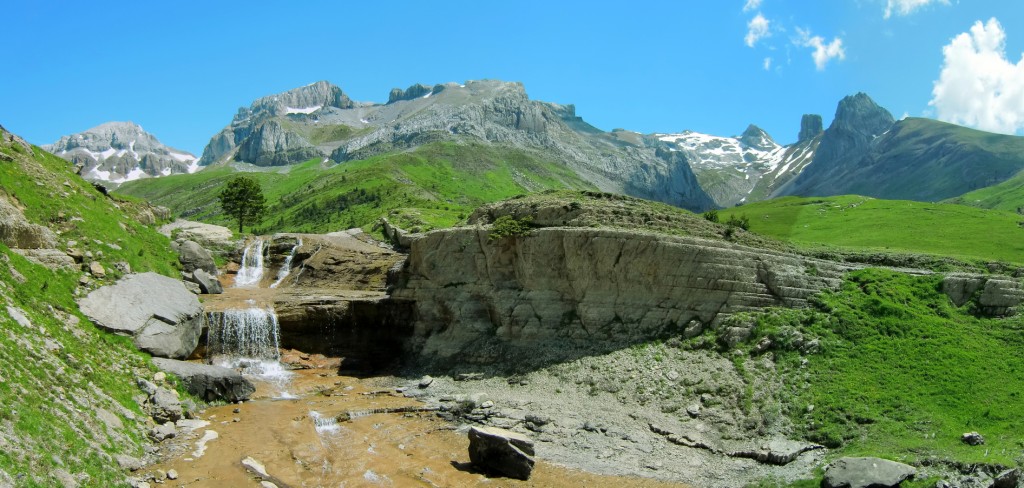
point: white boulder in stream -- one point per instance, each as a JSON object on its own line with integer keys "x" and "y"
{"x": 161, "y": 316}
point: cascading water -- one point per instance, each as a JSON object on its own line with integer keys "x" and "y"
{"x": 248, "y": 339}
{"x": 251, "y": 271}
{"x": 286, "y": 268}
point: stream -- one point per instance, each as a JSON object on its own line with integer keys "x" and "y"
{"x": 288, "y": 435}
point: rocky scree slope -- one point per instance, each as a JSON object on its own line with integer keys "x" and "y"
{"x": 320, "y": 121}
{"x": 71, "y": 411}
{"x": 116, "y": 152}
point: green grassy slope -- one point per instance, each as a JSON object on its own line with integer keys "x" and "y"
{"x": 902, "y": 373}
{"x": 58, "y": 373}
{"x": 856, "y": 223}
{"x": 1008, "y": 195}
{"x": 435, "y": 185}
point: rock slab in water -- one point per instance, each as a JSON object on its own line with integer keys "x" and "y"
{"x": 159, "y": 313}
{"x": 501, "y": 451}
{"x": 207, "y": 381}
{"x": 208, "y": 283}
{"x": 866, "y": 472}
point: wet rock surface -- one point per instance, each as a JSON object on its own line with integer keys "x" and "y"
{"x": 208, "y": 382}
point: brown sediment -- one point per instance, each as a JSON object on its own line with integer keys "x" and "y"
{"x": 390, "y": 449}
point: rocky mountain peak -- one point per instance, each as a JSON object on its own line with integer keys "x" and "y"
{"x": 756, "y": 138}
{"x": 116, "y": 152}
{"x": 303, "y": 100}
{"x": 859, "y": 113}
{"x": 810, "y": 127}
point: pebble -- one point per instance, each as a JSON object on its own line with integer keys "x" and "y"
{"x": 172, "y": 474}
{"x": 160, "y": 376}
{"x": 237, "y": 410}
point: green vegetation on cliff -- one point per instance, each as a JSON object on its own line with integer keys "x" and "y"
{"x": 863, "y": 224}
{"x": 435, "y": 185}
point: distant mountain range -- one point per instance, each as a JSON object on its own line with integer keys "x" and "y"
{"x": 863, "y": 151}
{"x": 116, "y": 152}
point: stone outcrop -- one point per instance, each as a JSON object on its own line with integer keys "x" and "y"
{"x": 160, "y": 315}
{"x": 995, "y": 296}
{"x": 415, "y": 91}
{"x": 208, "y": 284}
{"x": 269, "y": 144}
{"x": 17, "y": 232}
{"x": 866, "y": 472}
{"x": 810, "y": 127}
{"x": 209, "y": 382}
{"x": 561, "y": 292}
{"x": 501, "y": 452}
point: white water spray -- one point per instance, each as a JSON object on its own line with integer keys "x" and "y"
{"x": 251, "y": 271}
{"x": 324, "y": 424}
{"x": 286, "y": 268}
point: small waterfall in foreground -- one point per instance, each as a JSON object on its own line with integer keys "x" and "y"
{"x": 286, "y": 268}
{"x": 251, "y": 271}
{"x": 249, "y": 339}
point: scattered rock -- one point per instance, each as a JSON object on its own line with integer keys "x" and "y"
{"x": 866, "y": 472}
{"x": 17, "y": 232}
{"x": 206, "y": 234}
{"x": 164, "y": 406}
{"x": 501, "y": 451}
{"x": 172, "y": 474}
{"x": 779, "y": 452}
{"x": 158, "y": 312}
{"x": 163, "y": 431}
{"x": 469, "y": 376}
{"x": 209, "y": 382}
{"x": 127, "y": 462}
{"x": 426, "y": 381}
{"x": 96, "y": 269}
{"x": 693, "y": 410}
{"x": 972, "y": 439}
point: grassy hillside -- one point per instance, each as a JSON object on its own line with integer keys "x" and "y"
{"x": 1008, "y": 195}
{"x": 902, "y": 373}
{"x": 436, "y": 185}
{"x": 863, "y": 224}
{"x": 66, "y": 388}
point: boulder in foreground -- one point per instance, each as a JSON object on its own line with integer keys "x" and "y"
{"x": 501, "y": 452}
{"x": 160, "y": 315}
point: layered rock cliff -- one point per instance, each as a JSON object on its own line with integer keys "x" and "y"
{"x": 564, "y": 291}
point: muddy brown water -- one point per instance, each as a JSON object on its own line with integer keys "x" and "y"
{"x": 415, "y": 450}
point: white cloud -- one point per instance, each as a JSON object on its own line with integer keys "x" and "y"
{"x": 978, "y": 86}
{"x": 757, "y": 29}
{"x": 823, "y": 52}
{"x": 767, "y": 64}
{"x": 751, "y": 5}
{"x": 906, "y": 7}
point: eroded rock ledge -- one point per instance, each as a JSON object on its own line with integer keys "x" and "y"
{"x": 565, "y": 291}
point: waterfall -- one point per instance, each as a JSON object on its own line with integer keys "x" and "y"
{"x": 286, "y": 268}
{"x": 251, "y": 271}
{"x": 250, "y": 333}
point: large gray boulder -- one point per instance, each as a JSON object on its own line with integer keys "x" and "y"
{"x": 193, "y": 256}
{"x": 160, "y": 315}
{"x": 208, "y": 235}
{"x": 207, "y": 381}
{"x": 501, "y": 452}
{"x": 866, "y": 472}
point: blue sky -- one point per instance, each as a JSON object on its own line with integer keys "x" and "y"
{"x": 181, "y": 69}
